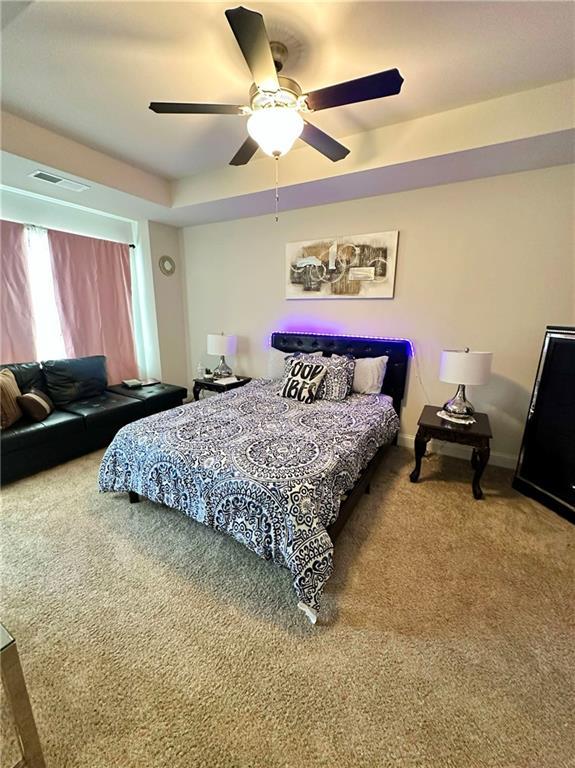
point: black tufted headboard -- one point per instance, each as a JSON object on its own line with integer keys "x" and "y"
{"x": 398, "y": 351}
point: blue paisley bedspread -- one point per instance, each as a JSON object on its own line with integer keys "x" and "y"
{"x": 269, "y": 471}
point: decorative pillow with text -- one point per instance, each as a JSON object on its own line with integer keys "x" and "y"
{"x": 338, "y": 379}
{"x": 303, "y": 380}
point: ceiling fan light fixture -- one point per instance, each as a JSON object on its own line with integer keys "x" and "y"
{"x": 275, "y": 129}
{"x": 276, "y": 101}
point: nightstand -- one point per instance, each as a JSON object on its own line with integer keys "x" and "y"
{"x": 212, "y": 385}
{"x": 476, "y": 435}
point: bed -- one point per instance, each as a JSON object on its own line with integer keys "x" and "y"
{"x": 278, "y": 475}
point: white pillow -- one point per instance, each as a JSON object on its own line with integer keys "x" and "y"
{"x": 369, "y": 374}
{"x": 276, "y": 362}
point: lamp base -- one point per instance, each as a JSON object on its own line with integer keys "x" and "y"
{"x": 223, "y": 370}
{"x": 459, "y": 406}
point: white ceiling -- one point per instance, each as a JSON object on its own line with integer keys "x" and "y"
{"x": 88, "y": 69}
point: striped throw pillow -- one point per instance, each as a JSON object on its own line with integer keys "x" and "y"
{"x": 36, "y": 404}
{"x": 9, "y": 393}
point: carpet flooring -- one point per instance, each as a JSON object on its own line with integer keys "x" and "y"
{"x": 445, "y": 638}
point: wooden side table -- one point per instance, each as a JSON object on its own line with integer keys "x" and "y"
{"x": 214, "y": 386}
{"x": 476, "y": 435}
{"x": 17, "y": 696}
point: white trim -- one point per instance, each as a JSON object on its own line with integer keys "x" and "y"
{"x": 144, "y": 313}
{"x": 64, "y": 203}
{"x": 507, "y": 460}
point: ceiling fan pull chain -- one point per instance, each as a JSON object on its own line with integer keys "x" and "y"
{"x": 277, "y": 161}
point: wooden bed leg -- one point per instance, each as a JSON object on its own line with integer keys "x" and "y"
{"x": 134, "y": 498}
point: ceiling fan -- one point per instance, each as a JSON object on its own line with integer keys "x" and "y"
{"x": 277, "y": 102}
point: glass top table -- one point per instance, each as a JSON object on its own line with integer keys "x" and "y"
{"x": 6, "y": 638}
{"x": 14, "y": 686}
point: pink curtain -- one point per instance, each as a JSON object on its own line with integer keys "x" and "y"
{"x": 16, "y": 320}
{"x": 93, "y": 293}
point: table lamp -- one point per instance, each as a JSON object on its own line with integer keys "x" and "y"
{"x": 462, "y": 367}
{"x": 222, "y": 345}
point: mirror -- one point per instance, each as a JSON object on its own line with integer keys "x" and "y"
{"x": 167, "y": 265}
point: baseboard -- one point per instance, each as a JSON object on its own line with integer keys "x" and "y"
{"x": 507, "y": 460}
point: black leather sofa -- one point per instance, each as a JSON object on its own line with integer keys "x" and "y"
{"x": 87, "y": 414}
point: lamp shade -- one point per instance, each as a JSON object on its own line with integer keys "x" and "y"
{"x": 275, "y": 129}
{"x": 220, "y": 344}
{"x": 463, "y": 367}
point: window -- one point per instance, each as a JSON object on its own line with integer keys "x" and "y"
{"x": 47, "y": 329}
{"x": 66, "y": 295}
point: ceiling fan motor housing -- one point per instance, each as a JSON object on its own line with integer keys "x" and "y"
{"x": 289, "y": 95}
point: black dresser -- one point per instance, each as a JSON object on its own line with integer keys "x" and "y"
{"x": 546, "y": 467}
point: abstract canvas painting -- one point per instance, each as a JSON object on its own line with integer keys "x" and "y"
{"x": 348, "y": 267}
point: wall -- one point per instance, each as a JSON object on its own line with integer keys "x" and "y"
{"x": 170, "y": 308}
{"x": 53, "y": 214}
{"x": 485, "y": 264}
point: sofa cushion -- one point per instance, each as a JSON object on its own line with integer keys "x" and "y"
{"x": 75, "y": 379}
{"x": 107, "y": 410}
{"x": 61, "y": 425}
{"x": 28, "y": 376}
{"x": 26, "y": 434}
{"x": 9, "y": 393}
{"x": 156, "y": 397}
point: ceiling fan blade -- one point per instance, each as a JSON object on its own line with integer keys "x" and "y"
{"x": 250, "y": 32}
{"x": 323, "y": 143}
{"x": 376, "y": 86}
{"x": 170, "y": 108}
{"x": 245, "y": 152}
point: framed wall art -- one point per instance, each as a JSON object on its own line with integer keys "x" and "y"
{"x": 348, "y": 267}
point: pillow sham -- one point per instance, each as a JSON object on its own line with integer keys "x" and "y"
{"x": 303, "y": 380}
{"x": 36, "y": 404}
{"x": 369, "y": 375}
{"x": 338, "y": 379}
{"x": 9, "y": 393}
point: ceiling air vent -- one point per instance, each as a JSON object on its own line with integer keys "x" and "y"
{"x": 58, "y": 181}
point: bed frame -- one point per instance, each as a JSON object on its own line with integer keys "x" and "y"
{"x": 397, "y": 350}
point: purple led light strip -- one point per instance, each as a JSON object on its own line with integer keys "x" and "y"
{"x": 344, "y": 336}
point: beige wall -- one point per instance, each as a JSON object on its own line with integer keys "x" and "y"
{"x": 45, "y": 212}
{"x": 485, "y": 264}
{"x": 170, "y": 306}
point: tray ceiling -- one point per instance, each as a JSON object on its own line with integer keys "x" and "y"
{"x": 87, "y": 70}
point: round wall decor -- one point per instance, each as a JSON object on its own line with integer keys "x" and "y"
{"x": 167, "y": 265}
